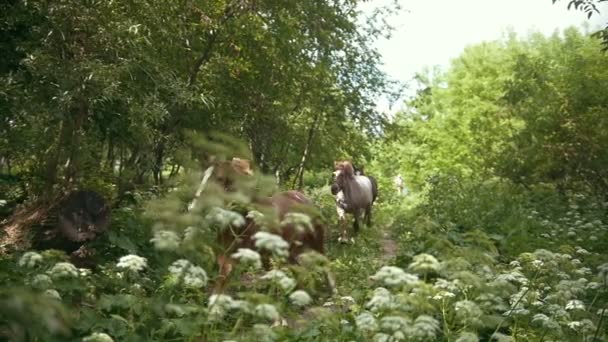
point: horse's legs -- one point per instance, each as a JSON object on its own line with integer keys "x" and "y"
{"x": 342, "y": 224}
{"x": 356, "y": 224}
{"x": 368, "y": 215}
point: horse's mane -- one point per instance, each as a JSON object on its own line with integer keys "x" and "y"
{"x": 346, "y": 168}
{"x": 353, "y": 194}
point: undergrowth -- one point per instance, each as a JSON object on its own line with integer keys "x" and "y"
{"x": 475, "y": 262}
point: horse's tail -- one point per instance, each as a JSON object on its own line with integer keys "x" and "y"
{"x": 374, "y": 188}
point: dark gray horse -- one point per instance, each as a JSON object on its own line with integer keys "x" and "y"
{"x": 355, "y": 194}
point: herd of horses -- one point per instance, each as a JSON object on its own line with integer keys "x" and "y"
{"x": 354, "y": 192}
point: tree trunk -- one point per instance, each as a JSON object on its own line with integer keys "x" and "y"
{"x": 158, "y": 163}
{"x": 311, "y": 132}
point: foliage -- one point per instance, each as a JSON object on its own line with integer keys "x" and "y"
{"x": 526, "y": 110}
{"x": 500, "y": 237}
{"x": 99, "y": 94}
{"x": 590, "y": 7}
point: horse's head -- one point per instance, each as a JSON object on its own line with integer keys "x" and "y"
{"x": 343, "y": 171}
{"x": 228, "y": 171}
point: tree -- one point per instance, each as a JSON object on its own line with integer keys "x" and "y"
{"x": 527, "y": 110}
{"x": 100, "y": 93}
{"x": 590, "y": 7}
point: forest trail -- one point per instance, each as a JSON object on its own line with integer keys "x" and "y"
{"x": 389, "y": 246}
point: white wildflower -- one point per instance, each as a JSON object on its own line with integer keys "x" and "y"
{"x": 279, "y": 277}
{"x": 468, "y": 312}
{"x": 165, "y": 240}
{"x": 583, "y": 271}
{"x": 575, "y": 304}
{"x": 537, "y": 264}
{"x": 382, "y": 337}
{"x": 248, "y": 257}
{"x": 382, "y": 299}
{"x": 41, "y": 281}
{"x": 514, "y": 263}
{"x": 52, "y": 293}
{"x": 219, "y": 305}
{"x": 442, "y": 295}
{"x": 425, "y": 328}
{"x": 267, "y": 311}
{"x": 348, "y": 299}
{"x": 593, "y": 238}
{"x": 513, "y": 276}
{"x": 302, "y": 222}
{"x": 242, "y": 305}
{"x": 272, "y": 243}
{"x": 98, "y": 337}
{"x": 467, "y": 336}
{"x": 593, "y": 285}
{"x": 394, "y": 323}
{"x": 424, "y": 263}
{"x": 582, "y": 251}
{"x": 264, "y": 333}
{"x": 255, "y": 215}
{"x": 300, "y": 298}
{"x": 394, "y": 276}
{"x": 491, "y": 302}
{"x": 448, "y": 285}
{"x": 584, "y": 326}
{"x": 192, "y": 275}
{"x": 132, "y": 262}
{"x": 517, "y": 311}
{"x": 224, "y": 218}
{"x": 545, "y": 322}
{"x": 366, "y": 322}
{"x": 30, "y": 259}
{"x": 63, "y": 270}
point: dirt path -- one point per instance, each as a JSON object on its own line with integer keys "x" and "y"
{"x": 389, "y": 246}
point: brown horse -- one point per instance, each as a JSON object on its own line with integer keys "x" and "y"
{"x": 281, "y": 203}
{"x": 355, "y": 195}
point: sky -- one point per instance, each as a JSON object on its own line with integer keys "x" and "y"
{"x": 432, "y": 32}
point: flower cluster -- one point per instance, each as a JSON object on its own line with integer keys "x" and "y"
{"x": 424, "y": 263}
{"x": 266, "y": 311}
{"x": 248, "y": 257}
{"x": 382, "y": 299}
{"x": 280, "y": 278}
{"x": 300, "y": 298}
{"x": 394, "y": 276}
{"x": 30, "y": 259}
{"x": 98, "y": 337}
{"x": 132, "y": 262}
{"x": 302, "y": 222}
{"x": 41, "y": 281}
{"x": 224, "y": 218}
{"x": 191, "y": 275}
{"x": 63, "y": 270}
{"x": 272, "y": 243}
{"x": 165, "y": 240}
{"x": 53, "y": 294}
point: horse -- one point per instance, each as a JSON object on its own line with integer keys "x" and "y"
{"x": 283, "y": 203}
{"x": 355, "y": 194}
